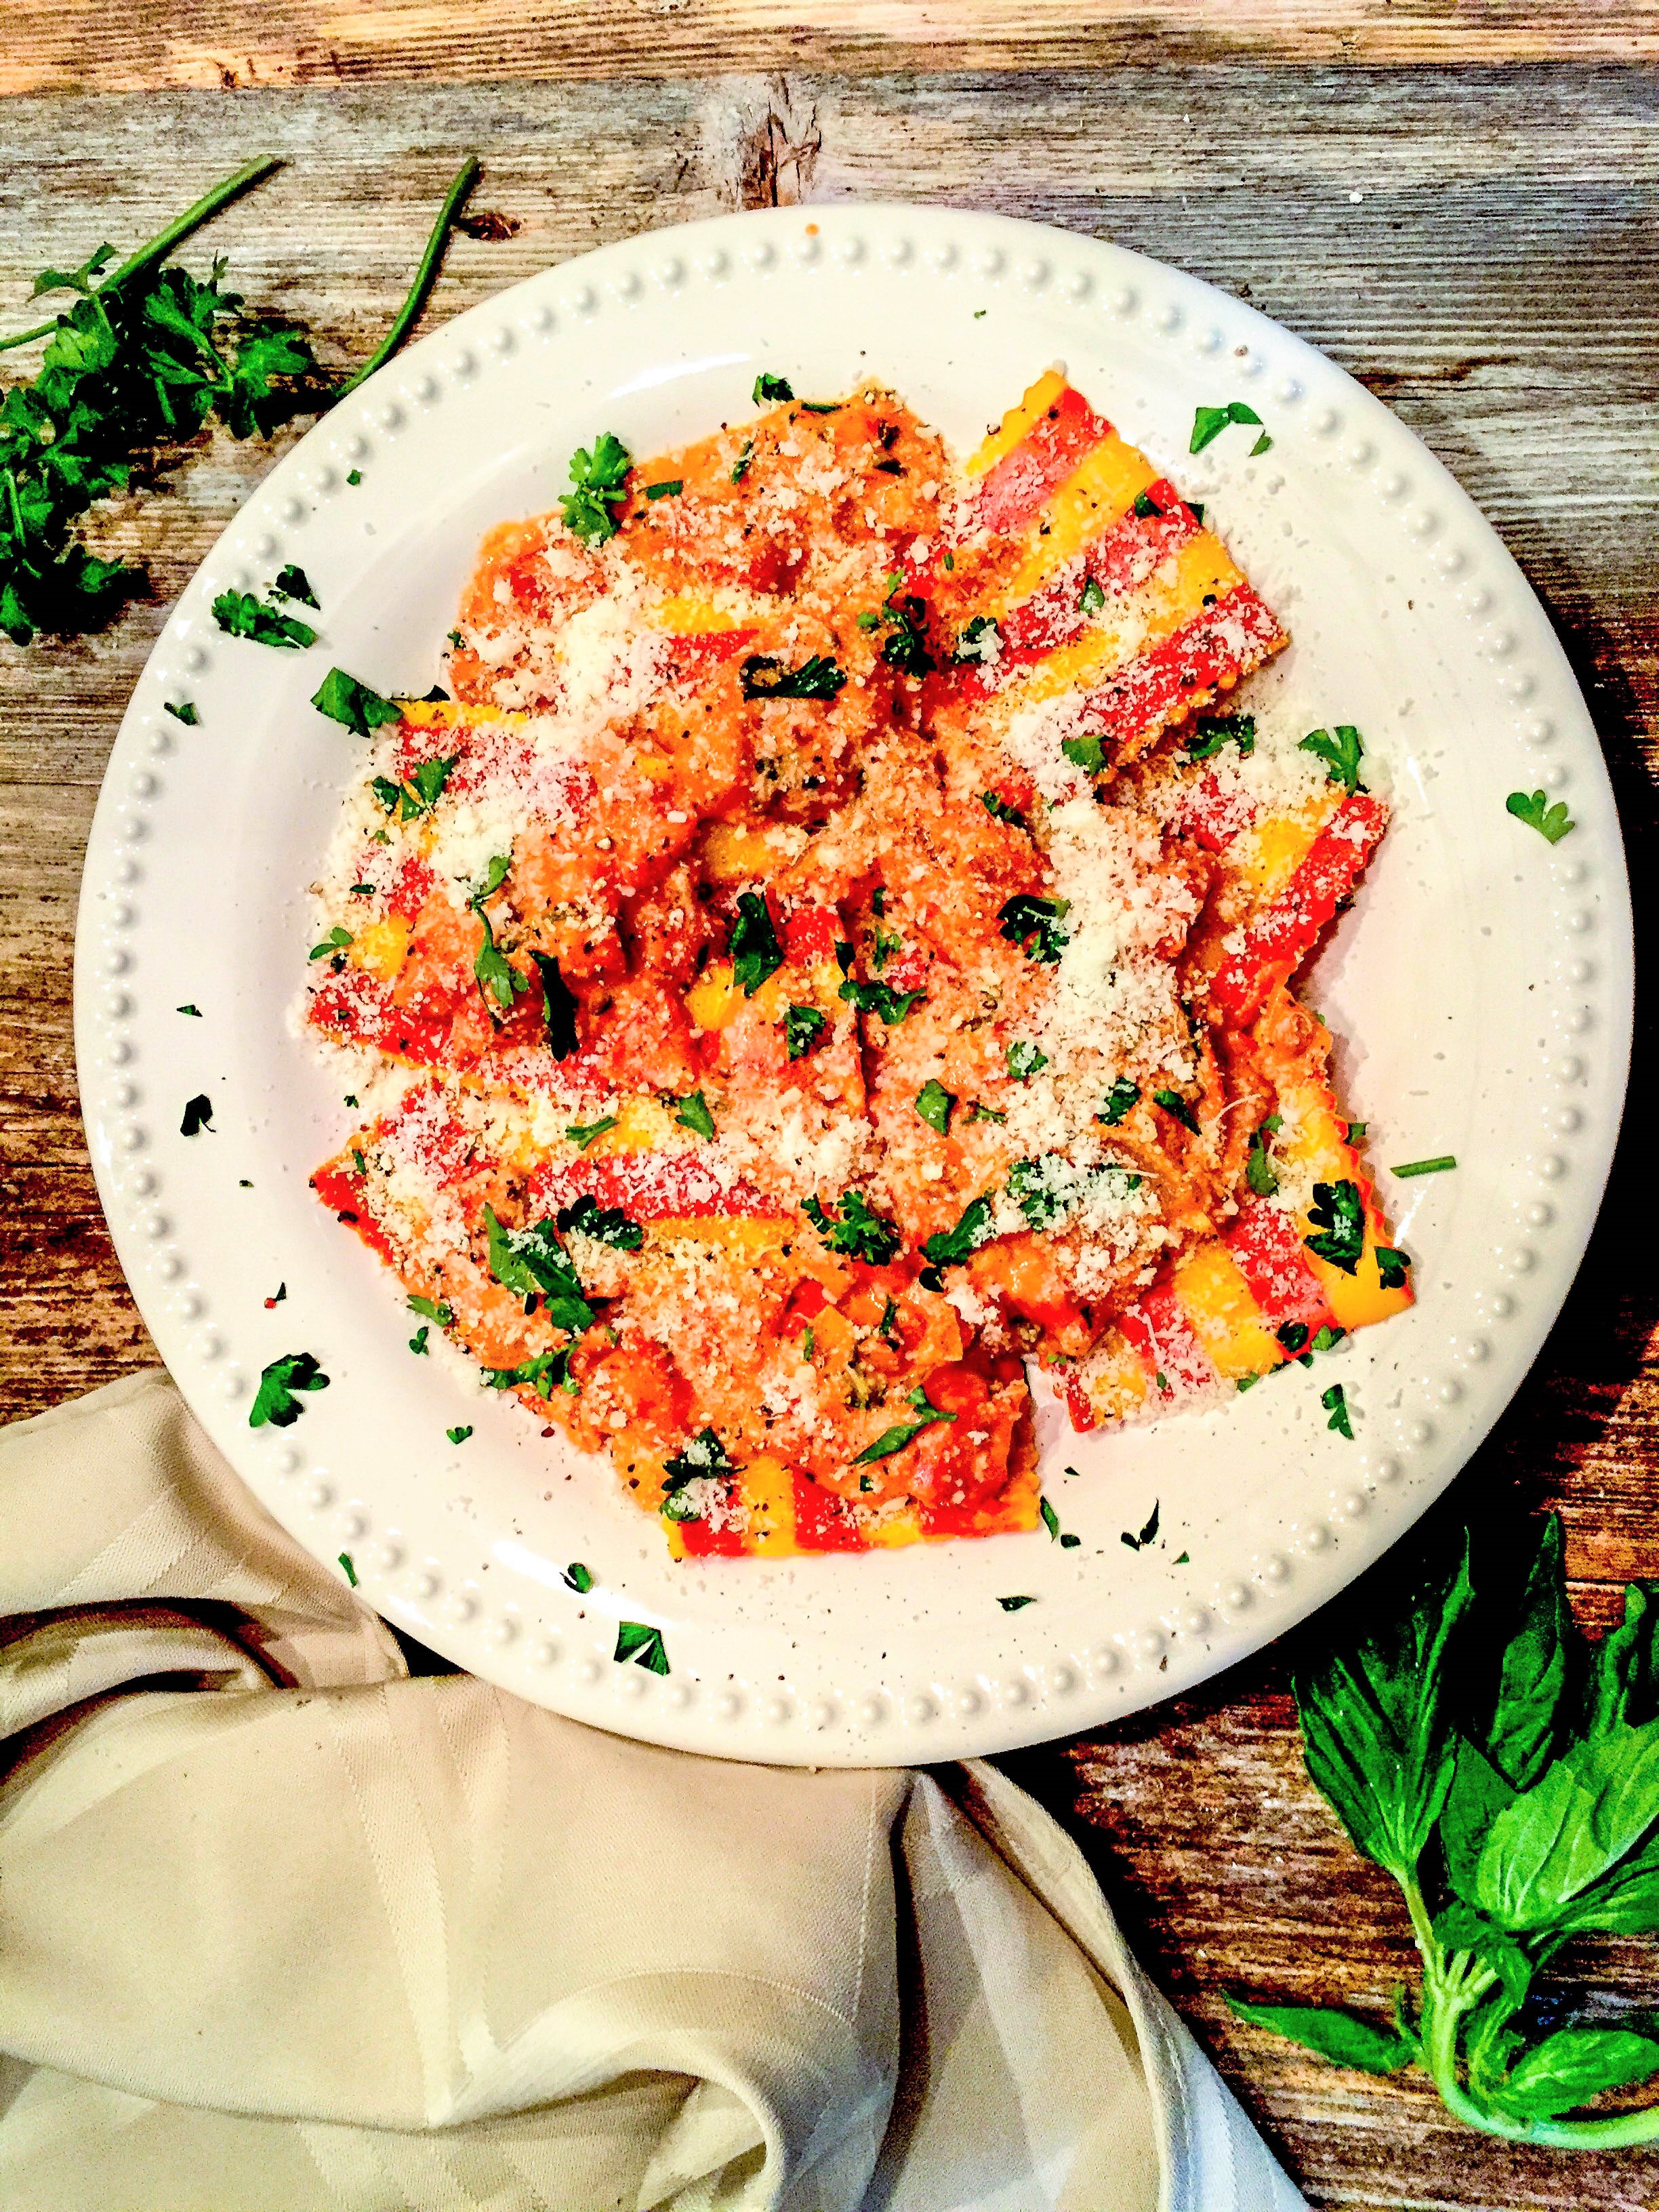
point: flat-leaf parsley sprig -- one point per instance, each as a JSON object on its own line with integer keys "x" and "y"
{"x": 1506, "y": 1774}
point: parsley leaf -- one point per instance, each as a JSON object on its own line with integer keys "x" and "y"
{"x": 1173, "y": 1102}
{"x": 1145, "y": 507}
{"x": 860, "y": 1233}
{"x": 1391, "y": 1267}
{"x": 1092, "y": 598}
{"x": 336, "y": 941}
{"x": 1000, "y": 811}
{"x": 1212, "y": 731}
{"x": 273, "y": 1402}
{"x": 1125, "y": 1096}
{"x": 433, "y": 1309}
{"x": 693, "y": 1114}
{"x": 1033, "y": 924}
{"x": 762, "y": 676}
{"x": 1149, "y": 1533}
{"x": 1209, "y": 422}
{"x": 753, "y": 944}
{"x": 344, "y": 699}
{"x": 183, "y": 712}
{"x": 1086, "y": 753}
{"x": 1339, "y": 1216}
{"x": 933, "y": 1104}
{"x": 1024, "y": 1060}
{"x": 948, "y": 1248}
{"x": 495, "y": 975}
{"x": 1336, "y": 1405}
{"x": 558, "y": 1007}
{"x": 769, "y": 390}
{"x": 641, "y": 1644}
{"x": 545, "y": 1373}
{"x": 802, "y": 1027}
{"x": 241, "y": 614}
{"x": 348, "y": 1569}
{"x": 457, "y": 1436}
{"x": 293, "y": 583}
{"x": 704, "y": 1456}
{"x": 605, "y": 1224}
{"x": 1534, "y": 809}
{"x": 1341, "y": 753}
{"x": 198, "y": 1115}
{"x": 582, "y": 1134}
{"x": 670, "y": 489}
{"x": 531, "y": 1263}
{"x": 1014, "y": 1604}
{"x": 1260, "y": 1172}
{"x": 741, "y": 467}
{"x": 599, "y": 479}
{"x": 978, "y": 1112}
{"x": 197, "y": 1010}
{"x": 880, "y": 998}
{"x": 417, "y": 1342}
{"x": 578, "y": 1577}
{"x": 896, "y": 1438}
{"x": 418, "y": 793}
{"x": 981, "y": 640}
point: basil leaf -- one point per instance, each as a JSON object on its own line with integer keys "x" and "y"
{"x": 1533, "y": 1679}
{"x": 1597, "y": 1800}
{"x": 1624, "y": 1670}
{"x": 1478, "y": 1794}
{"x": 1337, "y": 2035}
{"x": 1573, "y": 2065}
{"x": 1377, "y": 1731}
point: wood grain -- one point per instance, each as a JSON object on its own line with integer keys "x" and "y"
{"x": 1496, "y": 284}
{"x": 85, "y": 46}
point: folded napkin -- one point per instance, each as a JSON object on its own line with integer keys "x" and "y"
{"x": 282, "y": 1928}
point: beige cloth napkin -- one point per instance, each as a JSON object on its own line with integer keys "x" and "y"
{"x": 282, "y": 1928}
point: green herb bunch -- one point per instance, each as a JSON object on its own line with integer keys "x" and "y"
{"x": 139, "y": 361}
{"x": 1506, "y": 1774}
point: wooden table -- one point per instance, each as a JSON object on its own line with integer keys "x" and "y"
{"x": 1497, "y": 283}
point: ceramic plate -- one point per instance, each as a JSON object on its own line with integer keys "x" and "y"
{"x": 1480, "y": 988}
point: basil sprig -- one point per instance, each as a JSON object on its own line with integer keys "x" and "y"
{"x": 1506, "y": 1774}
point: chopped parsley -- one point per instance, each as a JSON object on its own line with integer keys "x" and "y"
{"x": 980, "y": 1112}
{"x": 948, "y": 1248}
{"x": 242, "y": 614}
{"x": 495, "y": 975}
{"x": 883, "y": 944}
{"x": 1033, "y": 924}
{"x": 197, "y": 1010}
{"x": 1173, "y": 1102}
{"x": 1125, "y": 1096}
{"x": 703, "y": 1456}
{"x": 933, "y": 1104}
{"x": 904, "y": 1432}
{"x": 1014, "y": 1604}
{"x": 693, "y": 1114}
{"x": 741, "y": 468}
{"x": 1293, "y": 1335}
{"x": 1000, "y": 811}
{"x": 641, "y": 1644}
{"x": 354, "y": 477}
{"x": 1046, "y": 1189}
{"x": 753, "y": 944}
{"x": 1144, "y": 506}
{"x": 531, "y": 1261}
{"x": 336, "y": 941}
{"x": 1336, "y": 1405}
{"x": 769, "y": 390}
{"x": 605, "y": 1224}
{"x": 579, "y": 1577}
{"x": 293, "y": 583}
{"x": 763, "y": 675}
{"x": 545, "y": 1373}
{"x": 1086, "y": 753}
{"x": 1212, "y": 731}
{"x": 1339, "y": 1217}
{"x": 457, "y": 1436}
{"x": 1149, "y": 1533}
{"x": 419, "y": 790}
{"x": 282, "y": 1288}
{"x": 1391, "y": 1267}
{"x": 417, "y": 1342}
{"x": 433, "y": 1309}
{"x": 198, "y": 1115}
{"x": 1092, "y": 598}
{"x": 582, "y": 1134}
{"x": 802, "y": 1027}
{"x": 1024, "y": 1060}
{"x": 599, "y": 481}
{"x": 183, "y": 712}
{"x": 670, "y": 489}
{"x": 348, "y": 1569}
{"x": 1534, "y": 809}
{"x": 981, "y": 640}
{"x": 905, "y": 646}
{"x": 881, "y": 998}
{"x": 1341, "y": 753}
{"x": 344, "y": 699}
{"x": 275, "y": 1401}
{"x": 1260, "y": 1172}
{"x": 1209, "y": 422}
{"x": 558, "y": 1007}
{"x": 860, "y": 1233}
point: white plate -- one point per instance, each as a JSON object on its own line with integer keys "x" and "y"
{"x": 1481, "y": 988}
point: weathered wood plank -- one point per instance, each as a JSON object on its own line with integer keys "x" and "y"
{"x": 1496, "y": 285}
{"x": 84, "y": 47}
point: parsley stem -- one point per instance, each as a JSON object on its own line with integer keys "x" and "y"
{"x": 164, "y": 241}
{"x": 431, "y": 260}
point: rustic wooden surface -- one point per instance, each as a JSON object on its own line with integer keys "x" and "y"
{"x": 1496, "y": 284}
